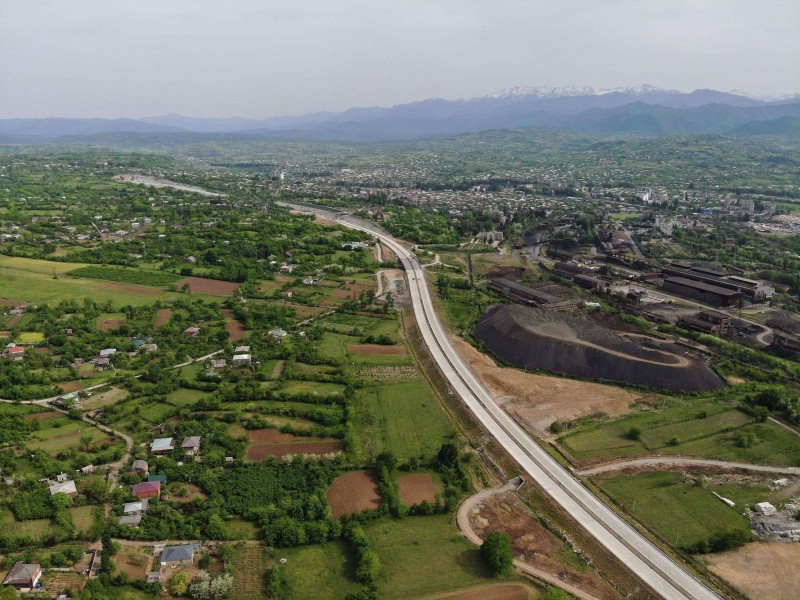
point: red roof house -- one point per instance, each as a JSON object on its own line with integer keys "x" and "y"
{"x": 147, "y": 489}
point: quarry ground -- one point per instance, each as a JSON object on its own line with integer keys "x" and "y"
{"x": 538, "y": 400}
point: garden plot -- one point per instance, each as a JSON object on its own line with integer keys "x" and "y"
{"x": 353, "y": 492}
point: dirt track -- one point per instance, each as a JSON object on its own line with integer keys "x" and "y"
{"x": 472, "y": 505}
{"x": 655, "y": 461}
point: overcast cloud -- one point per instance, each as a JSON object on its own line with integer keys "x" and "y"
{"x": 261, "y": 58}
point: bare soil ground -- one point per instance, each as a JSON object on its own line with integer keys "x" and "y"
{"x": 122, "y": 289}
{"x": 761, "y": 570}
{"x": 416, "y": 488}
{"x": 362, "y": 349}
{"x": 212, "y": 287}
{"x": 533, "y": 543}
{"x": 162, "y": 316}
{"x": 109, "y": 324}
{"x": 505, "y": 591}
{"x": 14, "y": 303}
{"x": 538, "y": 400}
{"x": 271, "y": 442}
{"x": 43, "y": 416}
{"x": 106, "y": 398}
{"x": 352, "y": 493}
{"x": 134, "y": 560}
{"x": 236, "y": 330}
{"x": 5, "y": 335}
{"x": 192, "y": 493}
{"x": 261, "y": 451}
{"x": 41, "y": 350}
{"x": 71, "y": 386}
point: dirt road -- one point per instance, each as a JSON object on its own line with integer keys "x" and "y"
{"x": 685, "y": 462}
{"x": 462, "y": 518}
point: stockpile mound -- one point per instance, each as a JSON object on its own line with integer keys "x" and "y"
{"x": 575, "y": 346}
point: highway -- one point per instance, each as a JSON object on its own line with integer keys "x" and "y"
{"x": 657, "y": 570}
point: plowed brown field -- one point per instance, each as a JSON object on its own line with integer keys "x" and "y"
{"x": 416, "y": 488}
{"x": 353, "y": 492}
{"x": 212, "y": 287}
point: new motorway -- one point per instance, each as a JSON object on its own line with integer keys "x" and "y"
{"x": 657, "y": 570}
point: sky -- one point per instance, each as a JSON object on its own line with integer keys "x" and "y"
{"x": 262, "y": 58}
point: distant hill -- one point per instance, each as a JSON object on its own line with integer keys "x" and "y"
{"x": 642, "y": 111}
{"x": 39, "y": 130}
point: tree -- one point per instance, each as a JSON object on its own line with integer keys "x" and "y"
{"x": 496, "y": 552}
{"x": 85, "y": 442}
{"x": 555, "y": 594}
{"x": 369, "y": 567}
{"x": 179, "y": 584}
{"x": 634, "y": 433}
{"x": 448, "y": 455}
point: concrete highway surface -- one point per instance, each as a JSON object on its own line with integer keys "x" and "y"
{"x": 657, "y": 570}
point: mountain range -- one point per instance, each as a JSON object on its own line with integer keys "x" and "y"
{"x": 640, "y": 111}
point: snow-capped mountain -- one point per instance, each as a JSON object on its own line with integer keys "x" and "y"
{"x": 641, "y": 110}
{"x": 571, "y": 91}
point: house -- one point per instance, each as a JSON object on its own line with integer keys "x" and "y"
{"x": 241, "y": 350}
{"x": 87, "y": 470}
{"x": 65, "y": 487}
{"x": 149, "y": 347}
{"x": 24, "y": 576}
{"x": 191, "y": 260}
{"x": 139, "y": 467}
{"x": 147, "y": 489}
{"x": 106, "y": 352}
{"x": 191, "y": 445}
{"x": 241, "y": 359}
{"x": 62, "y": 477}
{"x": 154, "y": 577}
{"x": 278, "y": 334}
{"x": 130, "y": 508}
{"x": 287, "y": 294}
{"x": 132, "y": 520}
{"x": 159, "y": 478}
{"x": 15, "y": 352}
{"x": 162, "y": 445}
{"x": 218, "y": 363}
{"x": 178, "y": 555}
{"x": 191, "y": 331}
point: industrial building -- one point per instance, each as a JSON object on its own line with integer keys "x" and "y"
{"x": 704, "y": 292}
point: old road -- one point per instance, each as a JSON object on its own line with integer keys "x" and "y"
{"x": 658, "y": 571}
{"x": 680, "y": 461}
{"x": 463, "y": 519}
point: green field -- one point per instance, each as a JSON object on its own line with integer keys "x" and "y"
{"x": 36, "y": 529}
{"x": 682, "y": 512}
{"x": 62, "y": 433}
{"x": 311, "y": 387}
{"x": 405, "y": 418}
{"x": 713, "y": 436}
{"x": 157, "y": 412}
{"x": 32, "y": 280}
{"x": 185, "y": 396}
{"x": 82, "y": 518}
{"x": 321, "y": 571}
{"x": 126, "y": 275}
{"x": 423, "y": 555}
{"x": 420, "y": 556}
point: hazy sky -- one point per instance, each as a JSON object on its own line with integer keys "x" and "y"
{"x": 260, "y": 58}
